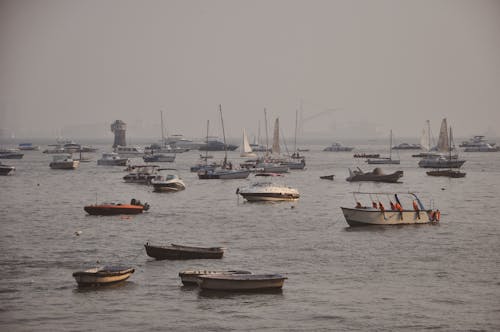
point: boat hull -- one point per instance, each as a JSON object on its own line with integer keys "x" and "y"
{"x": 113, "y": 210}
{"x": 369, "y": 216}
{"x": 5, "y": 169}
{"x": 447, "y": 173}
{"x": 241, "y": 282}
{"x": 175, "y": 252}
{"x": 383, "y": 161}
{"x": 167, "y": 187}
{"x": 223, "y": 175}
{"x": 101, "y": 278}
{"x": 115, "y": 162}
{"x": 269, "y": 197}
{"x": 192, "y": 277}
{"x": 441, "y": 163}
{"x": 65, "y": 164}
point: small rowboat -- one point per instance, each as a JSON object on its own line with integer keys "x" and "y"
{"x": 101, "y": 276}
{"x": 327, "y": 177}
{"x": 241, "y": 282}
{"x": 175, "y": 251}
{"x": 112, "y": 209}
{"x": 191, "y": 277}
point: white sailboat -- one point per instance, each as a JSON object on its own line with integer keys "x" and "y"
{"x": 246, "y": 149}
{"x": 385, "y": 160}
{"x": 444, "y": 157}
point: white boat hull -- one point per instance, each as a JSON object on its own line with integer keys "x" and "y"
{"x": 371, "y": 216}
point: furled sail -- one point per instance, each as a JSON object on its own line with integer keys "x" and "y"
{"x": 443, "y": 141}
{"x": 276, "y": 137}
{"x": 425, "y": 142}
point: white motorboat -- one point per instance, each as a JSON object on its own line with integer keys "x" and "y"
{"x": 141, "y": 174}
{"x": 268, "y": 191}
{"x": 167, "y": 183}
{"x": 129, "y": 151}
{"x": 475, "y": 141}
{"x": 63, "y": 161}
{"x": 112, "y": 159}
{"x": 337, "y": 147}
{"x": 482, "y": 147}
{"x": 397, "y": 213}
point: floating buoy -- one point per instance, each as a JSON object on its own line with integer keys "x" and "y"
{"x": 77, "y": 233}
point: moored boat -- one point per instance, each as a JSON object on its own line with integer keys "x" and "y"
{"x": 142, "y": 174}
{"x": 63, "y": 162}
{"x": 267, "y": 191}
{"x": 375, "y": 212}
{"x": 450, "y": 173}
{"x": 112, "y": 159}
{"x": 167, "y": 183}
{"x": 102, "y": 276}
{"x": 159, "y": 157}
{"x": 327, "y": 177}
{"x": 376, "y": 175}
{"x": 191, "y": 277}
{"x": 337, "y": 147}
{"x": 242, "y": 282}
{"x": 28, "y": 147}
{"x": 11, "y": 154}
{"x": 175, "y": 251}
{"x": 111, "y": 209}
{"x": 6, "y": 169}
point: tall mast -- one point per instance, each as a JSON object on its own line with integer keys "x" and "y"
{"x": 206, "y": 150}
{"x": 162, "y": 130}
{"x": 390, "y": 147}
{"x": 296, "y": 121}
{"x": 223, "y": 135}
{"x": 267, "y": 135}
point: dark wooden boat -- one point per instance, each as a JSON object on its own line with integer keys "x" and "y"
{"x": 191, "y": 277}
{"x": 327, "y": 177}
{"x": 175, "y": 251}
{"x": 112, "y": 209}
{"x": 447, "y": 173}
{"x": 242, "y": 282}
{"x": 102, "y": 276}
{"x": 376, "y": 175}
{"x": 6, "y": 169}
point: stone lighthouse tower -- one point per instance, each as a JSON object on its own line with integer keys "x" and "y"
{"x": 118, "y": 127}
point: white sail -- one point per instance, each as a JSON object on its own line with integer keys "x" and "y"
{"x": 425, "y": 141}
{"x": 276, "y": 137}
{"x": 443, "y": 141}
{"x": 246, "y": 150}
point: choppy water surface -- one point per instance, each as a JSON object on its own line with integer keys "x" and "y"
{"x": 441, "y": 277}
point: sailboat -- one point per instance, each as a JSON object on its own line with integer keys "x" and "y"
{"x": 295, "y": 161}
{"x": 161, "y": 157}
{"x": 225, "y": 171}
{"x": 451, "y": 173}
{"x": 385, "y": 160}
{"x": 246, "y": 150}
{"x": 444, "y": 157}
{"x": 272, "y": 163}
{"x": 425, "y": 141}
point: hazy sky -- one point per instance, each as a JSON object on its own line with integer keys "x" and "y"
{"x": 72, "y": 67}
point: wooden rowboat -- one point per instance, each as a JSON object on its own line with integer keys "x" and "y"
{"x": 241, "y": 282}
{"x": 175, "y": 251}
{"x": 191, "y": 277}
{"x": 101, "y": 276}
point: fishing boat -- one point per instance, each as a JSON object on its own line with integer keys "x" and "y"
{"x": 377, "y": 175}
{"x": 63, "y": 161}
{"x": 268, "y": 191}
{"x": 241, "y": 282}
{"x": 327, "y": 177}
{"x": 102, "y": 276}
{"x": 112, "y": 209}
{"x": 6, "y": 169}
{"x": 338, "y": 147}
{"x": 112, "y": 159}
{"x": 191, "y": 277}
{"x": 397, "y": 212}
{"x": 385, "y": 160}
{"x": 167, "y": 183}
{"x": 246, "y": 149}
{"x": 444, "y": 158}
{"x": 175, "y": 251}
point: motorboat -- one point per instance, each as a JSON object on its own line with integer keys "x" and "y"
{"x": 406, "y": 146}
{"x": 450, "y": 173}
{"x": 102, "y": 276}
{"x": 159, "y": 157}
{"x": 337, "y": 147}
{"x": 217, "y": 145}
{"x": 482, "y": 147}
{"x": 366, "y": 155}
{"x": 475, "y": 141}
{"x": 54, "y": 149}
{"x": 63, "y": 161}
{"x": 222, "y": 173}
{"x": 112, "y": 209}
{"x": 112, "y": 159}
{"x": 191, "y": 277}
{"x": 129, "y": 151}
{"x": 241, "y": 282}
{"x": 377, "y": 175}
{"x": 167, "y": 183}
{"x": 268, "y": 191}
{"x": 175, "y": 251}
{"x": 384, "y": 160}
{"x": 28, "y": 147}
{"x": 11, "y": 154}
{"x": 141, "y": 174}
{"x": 396, "y": 214}
{"x": 6, "y": 169}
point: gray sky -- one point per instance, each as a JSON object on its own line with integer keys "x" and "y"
{"x": 72, "y": 67}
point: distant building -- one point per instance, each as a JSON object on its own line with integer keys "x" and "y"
{"x": 118, "y": 128}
